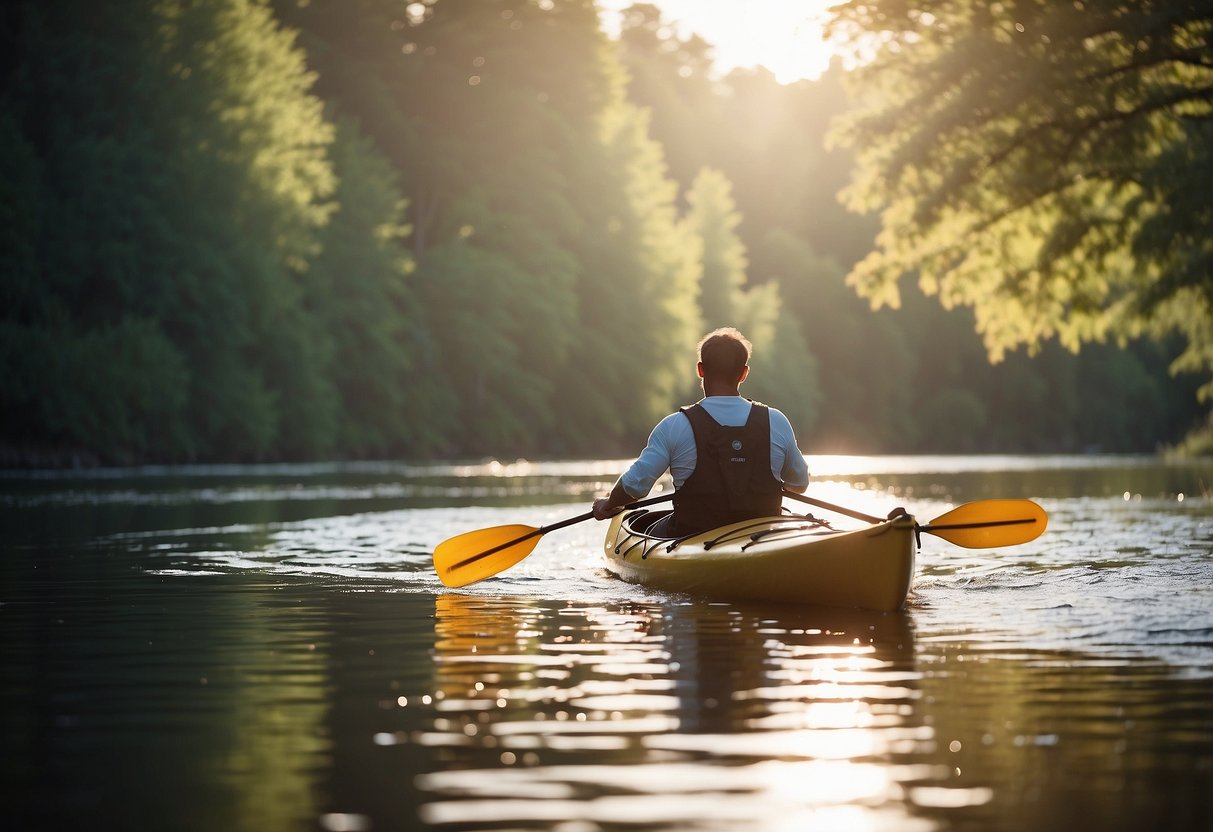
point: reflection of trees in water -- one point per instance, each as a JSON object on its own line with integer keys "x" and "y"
{"x": 663, "y": 696}
{"x": 150, "y": 704}
{"x": 279, "y": 710}
{"x": 1065, "y": 739}
{"x": 531, "y": 679}
{"x": 1107, "y": 477}
{"x": 702, "y": 714}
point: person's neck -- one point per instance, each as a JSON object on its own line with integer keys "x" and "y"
{"x": 718, "y": 389}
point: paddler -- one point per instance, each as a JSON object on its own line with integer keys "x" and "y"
{"x": 730, "y": 457}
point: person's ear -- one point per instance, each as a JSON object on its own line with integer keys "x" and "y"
{"x": 699, "y": 369}
{"x": 745, "y": 371}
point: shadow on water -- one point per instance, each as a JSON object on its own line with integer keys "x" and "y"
{"x": 186, "y": 704}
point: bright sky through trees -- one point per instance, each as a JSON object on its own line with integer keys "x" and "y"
{"x": 785, "y": 36}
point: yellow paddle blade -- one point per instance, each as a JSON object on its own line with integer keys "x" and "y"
{"x": 988, "y": 524}
{"x": 474, "y": 556}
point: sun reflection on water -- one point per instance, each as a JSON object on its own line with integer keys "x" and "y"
{"x": 655, "y": 718}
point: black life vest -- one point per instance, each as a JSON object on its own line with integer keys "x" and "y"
{"x": 732, "y": 480}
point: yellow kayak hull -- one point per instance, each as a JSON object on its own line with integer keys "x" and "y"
{"x": 778, "y": 559}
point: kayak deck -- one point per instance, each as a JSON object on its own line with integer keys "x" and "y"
{"x": 787, "y": 559}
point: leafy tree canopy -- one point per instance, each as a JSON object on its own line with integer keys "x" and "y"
{"x": 1047, "y": 164}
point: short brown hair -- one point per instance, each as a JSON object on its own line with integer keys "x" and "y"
{"x": 724, "y": 353}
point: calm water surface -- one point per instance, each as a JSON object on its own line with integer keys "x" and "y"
{"x": 267, "y": 648}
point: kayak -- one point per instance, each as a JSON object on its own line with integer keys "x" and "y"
{"x": 787, "y": 559}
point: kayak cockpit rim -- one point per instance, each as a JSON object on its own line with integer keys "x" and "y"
{"x": 633, "y": 531}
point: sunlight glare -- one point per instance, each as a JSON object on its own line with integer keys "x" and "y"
{"x": 785, "y": 36}
{"x": 825, "y": 783}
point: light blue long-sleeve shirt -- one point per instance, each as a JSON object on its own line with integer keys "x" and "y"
{"x": 672, "y": 447}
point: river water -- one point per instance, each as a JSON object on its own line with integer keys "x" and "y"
{"x": 267, "y": 648}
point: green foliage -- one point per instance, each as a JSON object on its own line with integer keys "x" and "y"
{"x": 1045, "y": 163}
{"x": 640, "y": 319}
{"x": 20, "y": 207}
{"x": 119, "y": 388}
{"x": 783, "y": 370}
{"x": 670, "y": 76}
{"x": 359, "y": 287}
{"x": 863, "y": 360}
{"x": 255, "y": 177}
{"x": 509, "y": 96}
{"x": 182, "y": 174}
{"x": 713, "y": 218}
{"x": 255, "y": 229}
{"x": 881, "y": 373}
{"x": 474, "y": 313}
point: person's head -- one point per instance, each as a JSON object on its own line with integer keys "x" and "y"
{"x": 724, "y": 356}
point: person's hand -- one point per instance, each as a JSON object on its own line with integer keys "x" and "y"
{"x": 603, "y": 510}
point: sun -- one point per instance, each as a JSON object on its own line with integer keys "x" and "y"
{"x": 785, "y": 36}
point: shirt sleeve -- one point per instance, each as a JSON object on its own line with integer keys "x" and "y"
{"x": 795, "y": 471}
{"x": 653, "y": 461}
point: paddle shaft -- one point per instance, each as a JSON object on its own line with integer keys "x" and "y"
{"x": 858, "y": 515}
{"x": 542, "y": 530}
{"x": 932, "y": 527}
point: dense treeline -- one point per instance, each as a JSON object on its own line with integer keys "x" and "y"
{"x": 916, "y": 379}
{"x": 1044, "y": 164}
{"x": 241, "y": 229}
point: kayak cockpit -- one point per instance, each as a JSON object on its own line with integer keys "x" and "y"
{"x": 636, "y": 530}
{"x": 787, "y": 559}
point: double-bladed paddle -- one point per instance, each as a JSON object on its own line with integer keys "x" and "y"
{"x": 473, "y": 556}
{"x": 985, "y": 524}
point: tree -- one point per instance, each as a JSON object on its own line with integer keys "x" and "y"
{"x": 209, "y": 253}
{"x": 785, "y": 371}
{"x": 246, "y": 145}
{"x": 713, "y": 217}
{"x": 362, "y": 289}
{"x": 544, "y": 226}
{"x": 638, "y": 315}
{"x": 670, "y": 76}
{"x": 862, "y": 359}
{"x": 179, "y": 168}
{"x": 1047, "y": 164}
{"x": 84, "y": 364}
